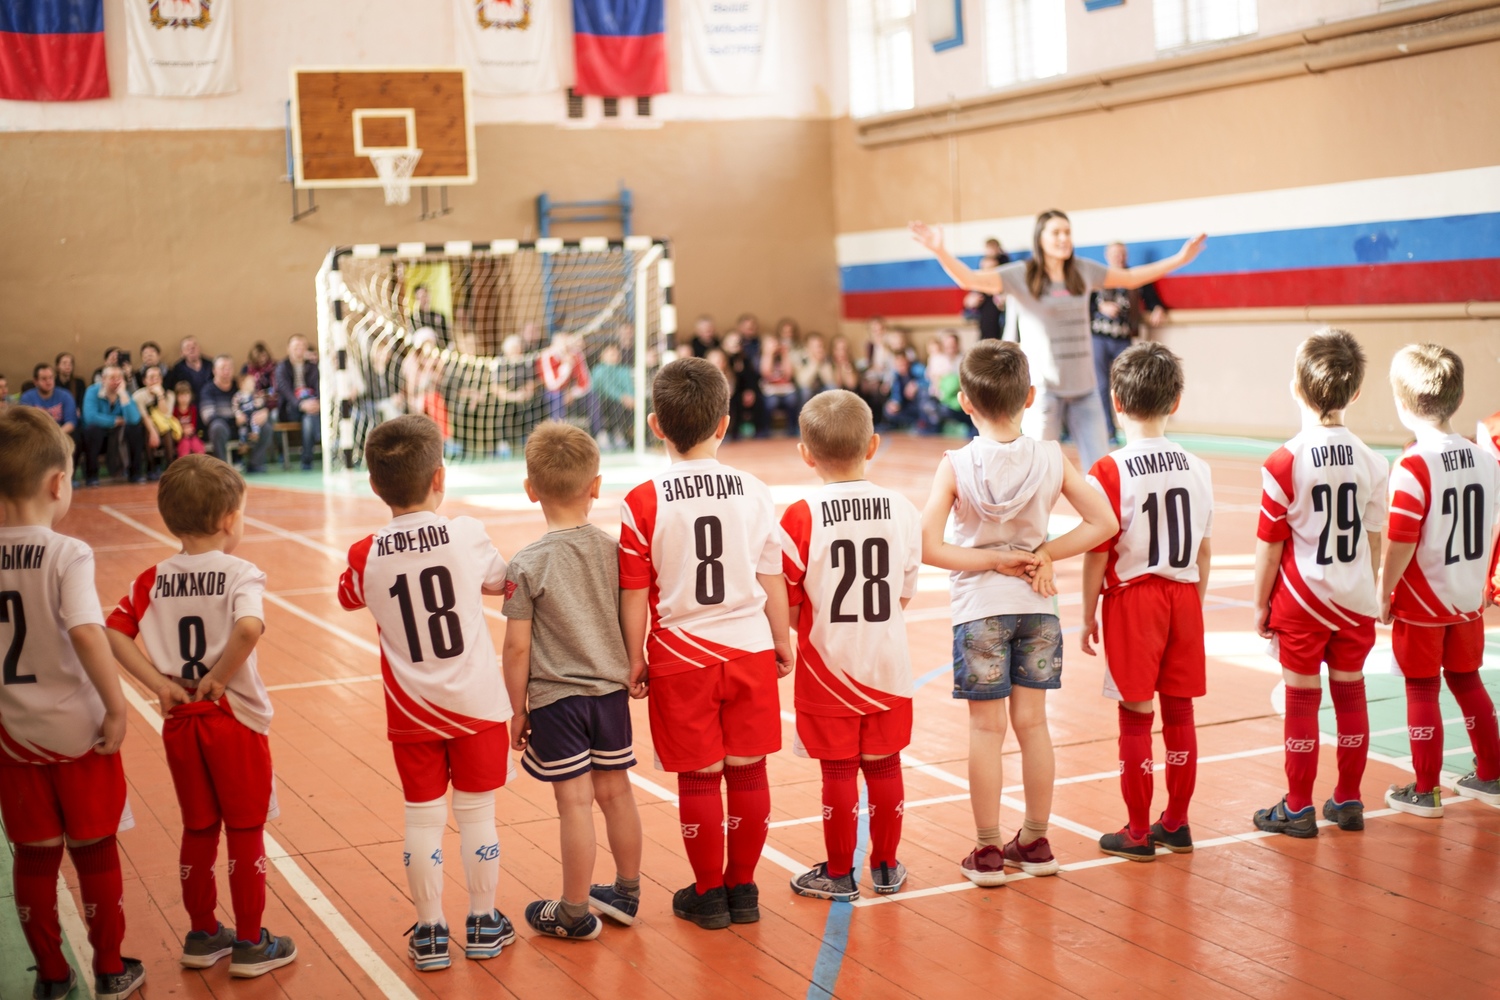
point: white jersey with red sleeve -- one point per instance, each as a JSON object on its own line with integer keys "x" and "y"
{"x": 1322, "y": 493}
{"x": 1164, "y": 499}
{"x": 851, "y": 553}
{"x": 184, "y": 609}
{"x": 49, "y": 710}
{"x": 1445, "y": 499}
{"x": 696, "y": 535}
{"x": 421, "y": 576}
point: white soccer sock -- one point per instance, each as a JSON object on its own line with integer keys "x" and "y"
{"x": 475, "y": 813}
{"x": 425, "y": 822}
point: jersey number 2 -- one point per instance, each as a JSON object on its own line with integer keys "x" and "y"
{"x": 442, "y": 621}
{"x": 13, "y": 614}
{"x": 877, "y": 592}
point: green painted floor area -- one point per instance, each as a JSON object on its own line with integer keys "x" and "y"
{"x": 16, "y": 977}
{"x": 1387, "y": 698}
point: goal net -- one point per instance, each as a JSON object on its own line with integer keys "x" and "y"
{"x": 491, "y": 339}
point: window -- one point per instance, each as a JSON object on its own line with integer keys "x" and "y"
{"x": 880, "y": 56}
{"x": 1024, "y": 40}
{"x": 1190, "y": 22}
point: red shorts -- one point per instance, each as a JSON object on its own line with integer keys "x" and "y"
{"x": 1424, "y": 650}
{"x": 477, "y": 763}
{"x": 1153, "y": 641}
{"x": 83, "y": 799}
{"x": 1305, "y": 652}
{"x": 843, "y": 737}
{"x": 220, "y": 767}
{"x": 730, "y": 709}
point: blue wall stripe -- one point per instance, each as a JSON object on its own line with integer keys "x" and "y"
{"x": 52, "y": 17}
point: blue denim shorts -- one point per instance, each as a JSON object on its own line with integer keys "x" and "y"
{"x": 992, "y": 654}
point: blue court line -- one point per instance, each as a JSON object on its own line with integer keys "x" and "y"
{"x": 830, "y": 961}
{"x": 932, "y": 675}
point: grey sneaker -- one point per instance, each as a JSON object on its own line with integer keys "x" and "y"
{"x": 257, "y": 958}
{"x": 818, "y": 884}
{"x": 887, "y": 879}
{"x": 1302, "y": 824}
{"x": 201, "y": 950}
{"x": 1406, "y": 798}
{"x": 119, "y": 985}
{"x": 1471, "y": 787}
{"x": 54, "y": 989}
{"x": 1348, "y": 815}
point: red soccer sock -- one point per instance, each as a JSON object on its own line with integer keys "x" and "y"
{"x": 841, "y": 813}
{"x": 103, "y": 891}
{"x": 1301, "y": 731}
{"x": 247, "y": 880}
{"x": 1180, "y": 735}
{"x": 1137, "y": 778}
{"x": 748, "y": 796}
{"x": 35, "y": 877}
{"x": 1424, "y": 724}
{"x": 1353, "y": 715}
{"x": 701, "y": 810}
{"x": 1479, "y": 718}
{"x": 887, "y": 793}
{"x": 200, "y": 891}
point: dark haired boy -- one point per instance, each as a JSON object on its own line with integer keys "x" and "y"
{"x": 198, "y": 615}
{"x": 1154, "y": 574}
{"x": 704, "y": 608}
{"x": 421, "y": 576}
{"x": 1322, "y": 509}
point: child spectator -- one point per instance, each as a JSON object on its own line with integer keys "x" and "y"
{"x": 199, "y": 661}
{"x": 62, "y": 715}
{"x": 615, "y": 384}
{"x": 904, "y": 403}
{"x": 1007, "y": 643}
{"x": 700, "y": 563}
{"x": 250, "y": 401}
{"x": 421, "y": 576}
{"x": 845, "y": 371}
{"x": 1154, "y": 573}
{"x": 185, "y": 412}
{"x": 853, "y": 685}
{"x": 1322, "y": 510}
{"x": 156, "y": 417}
{"x": 567, "y": 673}
{"x": 1445, "y": 501}
{"x": 813, "y": 371}
{"x": 746, "y": 403}
{"x": 566, "y": 386}
{"x": 776, "y": 384}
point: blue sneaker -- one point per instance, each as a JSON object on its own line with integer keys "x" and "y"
{"x": 485, "y": 936}
{"x": 545, "y": 917}
{"x": 428, "y": 947}
{"x": 617, "y": 906}
{"x": 1302, "y": 824}
{"x": 256, "y": 958}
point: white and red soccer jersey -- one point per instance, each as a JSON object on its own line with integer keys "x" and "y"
{"x": 421, "y": 576}
{"x": 851, "y": 554}
{"x": 49, "y": 710}
{"x": 1164, "y": 499}
{"x": 1322, "y": 493}
{"x": 184, "y": 609}
{"x": 1445, "y": 499}
{"x": 696, "y": 535}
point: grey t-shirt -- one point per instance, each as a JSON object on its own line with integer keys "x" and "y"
{"x": 1054, "y": 329}
{"x": 568, "y": 583}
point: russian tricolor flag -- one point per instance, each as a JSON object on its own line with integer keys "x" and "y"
{"x": 620, "y": 47}
{"x": 52, "y": 50}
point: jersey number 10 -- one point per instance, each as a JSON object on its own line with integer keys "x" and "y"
{"x": 1179, "y": 511}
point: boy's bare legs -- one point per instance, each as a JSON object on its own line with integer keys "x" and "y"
{"x": 1028, "y": 714}
{"x": 575, "y": 810}
{"x": 622, "y": 822}
{"x": 986, "y": 769}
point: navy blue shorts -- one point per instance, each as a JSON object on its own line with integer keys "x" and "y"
{"x": 573, "y": 736}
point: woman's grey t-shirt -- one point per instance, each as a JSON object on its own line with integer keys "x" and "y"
{"x": 568, "y": 584}
{"x": 1054, "y": 329}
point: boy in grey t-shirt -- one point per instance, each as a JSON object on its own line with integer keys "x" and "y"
{"x": 567, "y": 673}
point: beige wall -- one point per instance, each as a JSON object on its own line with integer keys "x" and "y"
{"x": 116, "y": 237}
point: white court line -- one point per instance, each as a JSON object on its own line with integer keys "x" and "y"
{"x": 77, "y": 934}
{"x": 331, "y": 682}
{"x": 768, "y": 852}
{"x": 1014, "y": 803}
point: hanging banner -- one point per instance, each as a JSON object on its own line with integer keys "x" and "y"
{"x": 509, "y": 46}
{"x": 728, "y": 46}
{"x": 180, "y": 48}
{"x": 620, "y": 47}
{"x": 52, "y": 50}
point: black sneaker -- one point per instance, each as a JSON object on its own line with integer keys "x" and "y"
{"x": 1348, "y": 815}
{"x": 427, "y": 946}
{"x": 545, "y": 917}
{"x": 618, "y": 906}
{"x": 1122, "y": 845}
{"x": 485, "y": 936}
{"x": 1302, "y": 824}
{"x": 818, "y": 884}
{"x": 54, "y": 989}
{"x": 744, "y": 903}
{"x": 1178, "y": 841}
{"x": 119, "y": 985}
{"x": 709, "y": 910}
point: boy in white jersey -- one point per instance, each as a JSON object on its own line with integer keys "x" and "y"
{"x": 704, "y": 607}
{"x": 1154, "y": 574}
{"x": 852, "y": 551}
{"x": 1322, "y": 509}
{"x": 62, "y": 714}
{"x": 1445, "y": 504}
{"x": 1007, "y": 642}
{"x": 421, "y": 576}
{"x": 198, "y": 614}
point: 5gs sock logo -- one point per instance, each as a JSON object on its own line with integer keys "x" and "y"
{"x": 488, "y": 852}
{"x": 1177, "y": 758}
{"x": 1301, "y": 746}
{"x": 689, "y": 830}
{"x": 1352, "y": 740}
{"x": 1421, "y": 732}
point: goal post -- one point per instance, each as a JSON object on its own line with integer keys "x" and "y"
{"x": 490, "y": 338}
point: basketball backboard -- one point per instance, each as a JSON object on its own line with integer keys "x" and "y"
{"x": 340, "y": 116}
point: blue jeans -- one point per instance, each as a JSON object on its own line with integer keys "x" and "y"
{"x": 993, "y": 654}
{"x": 1082, "y": 415}
{"x": 312, "y": 433}
{"x": 558, "y": 408}
{"x": 1106, "y": 349}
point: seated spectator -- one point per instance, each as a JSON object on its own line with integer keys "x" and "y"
{"x": 5, "y": 399}
{"x": 705, "y": 336}
{"x": 45, "y": 394}
{"x": 295, "y": 387}
{"x": 119, "y": 359}
{"x": 943, "y": 355}
{"x": 151, "y": 358}
{"x": 845, "y": 371}
{"x": 776, "y": 384}
{"x": 162, "y": 431}
{"x": 532, "y": 338}
{"x": 625, "y": 338}
{"x": 790, "y": 335}
{"x": 720, "y": 360}
{"x": 566, "y": 385}
{"x": 112, "y": 426}
{"x": 251, "y": 403}
{"x": 902, "y": 409}
{"x": 615, "y": 383}
{"x": 422, "y": 314}
{"x": 748, "y": 327}
{"x": 185, "y": 412}
{"x": 262, "y": 366}
{"x": 745, "y": 401}
{"x": 516, "y": 386}
{"x": 191, "y": 368}
{"x": 814, "y": 372}
{"x": 221, "y": 417}
{"x": 68, "y": 380}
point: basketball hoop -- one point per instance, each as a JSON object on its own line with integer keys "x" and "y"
{"x": 394, "y": 166}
